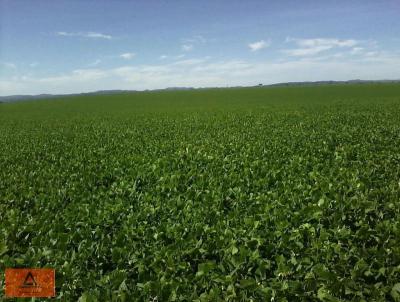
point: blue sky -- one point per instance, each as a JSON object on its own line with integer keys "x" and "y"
{"x": 68, "y": 46}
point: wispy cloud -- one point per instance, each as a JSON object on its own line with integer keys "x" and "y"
{"x": 197, "y": 39}
{"x": 371, "y": 54}
{"x": 299, "y": 52}
{"x": 190, "y": 62}
{"x": 308, "y": 47}
{"x": 356, "y": 50}
{"x": 91, "y": 35}
{"x": 187, "y": 47}
{"x": 323, "y": 41}
{"x": 188, "y": 44}
{"x": 76, "y": 76}
{"x": 98, "y": 36}
{"x": 175, "y": 57}
{"x": 33, "y": 64}
{"x": 8, "y": 65}
{"x": 337, "y": 64}
{"x": 204, "y": 72}
{"x": 65, "y": 34}
{"x": 95, "y": 63}
{"x": 259, "y": 45}
{"x": 127, "y": 55}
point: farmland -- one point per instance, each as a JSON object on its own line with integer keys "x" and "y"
{"x": 263, "y": 194}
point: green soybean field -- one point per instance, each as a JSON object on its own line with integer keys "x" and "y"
{"x": 235, "y": 194}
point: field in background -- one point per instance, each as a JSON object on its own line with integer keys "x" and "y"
{"x": 214, "y": 195}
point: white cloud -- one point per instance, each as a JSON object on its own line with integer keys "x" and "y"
{"x": 33, "y": 64}
{"x": 371, "y": 53}
{"x": 89, "y": 74}
{"x": 8, "y": 65}
{"x": 356, "y": 50}
{"x": 98, "y": 35}
{"x": 188, "y": 44}
{"x": 78, "y": 75}
{"x": 197, "y": 39}
{"x": 325, "y": 42}
{"x": 63, "y": 33}
{"x": 206, "y": 72}
{"x": 187, "y": 47}
{"x": 127, "y": 55}
{"x": 92, "y": 35}
{"x": 258, "y": 45}
{"x": 190, "y": 62}
{"x": 309, "y": 47}
{"x": 95, "y": 63}
{"x": 176, "y": 57}
{"x": 299, "y": 52}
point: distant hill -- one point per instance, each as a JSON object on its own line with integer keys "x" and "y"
{"x": 14, "y": 98}
{"x": 315, "y": 83}
{"x": 11, "y": 98}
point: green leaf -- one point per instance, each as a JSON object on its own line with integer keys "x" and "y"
{"x": 395, "y": 292}
{"x": 205, "y": 267}
{"x": 247, "y": 283}
{"x": 235, "y": 250}
{"x": 3, "y": 248}
{"x": 87, "y": 297}
{"x": 324, "y": 295}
